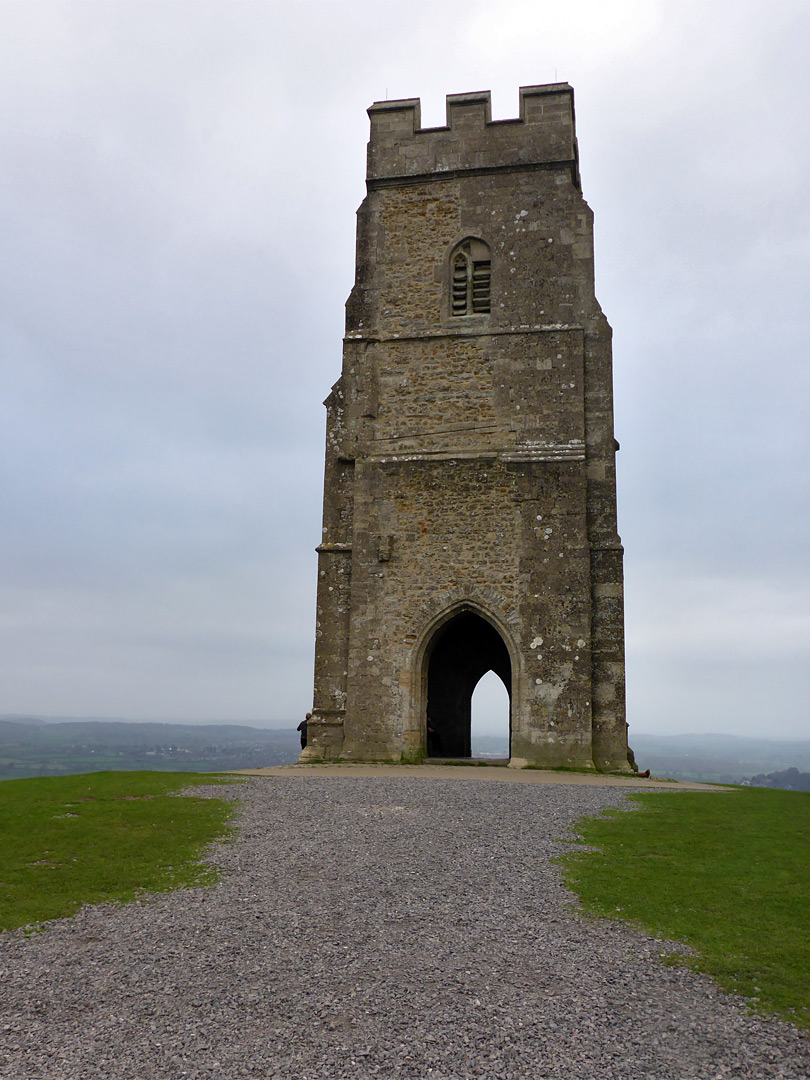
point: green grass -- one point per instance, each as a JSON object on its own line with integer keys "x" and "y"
{"x": 727, "y": 873}
{"x": 73, "y": 840}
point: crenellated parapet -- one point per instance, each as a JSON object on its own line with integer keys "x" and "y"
{"x": 401, "y": 150}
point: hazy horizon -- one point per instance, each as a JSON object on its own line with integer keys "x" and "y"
{"x": 291, "y": 724}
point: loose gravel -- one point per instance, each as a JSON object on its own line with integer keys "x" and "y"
{"x": 367, "y": 927}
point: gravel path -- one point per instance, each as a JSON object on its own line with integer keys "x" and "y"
{"x": 364, "y": 927}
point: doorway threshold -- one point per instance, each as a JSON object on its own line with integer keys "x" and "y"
{"x": 500, "y": 763}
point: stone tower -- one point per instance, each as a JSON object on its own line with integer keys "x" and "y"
{"x": 470, "y": 500}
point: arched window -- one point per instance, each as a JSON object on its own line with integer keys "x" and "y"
{"x": 470, "y": 267}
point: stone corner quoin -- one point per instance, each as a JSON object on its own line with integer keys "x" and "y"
{"x": 469, "y": 518}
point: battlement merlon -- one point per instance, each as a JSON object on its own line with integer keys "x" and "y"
{"x": 543, "y": 136}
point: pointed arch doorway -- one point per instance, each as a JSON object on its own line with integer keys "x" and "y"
{"x": 462, "y": 651}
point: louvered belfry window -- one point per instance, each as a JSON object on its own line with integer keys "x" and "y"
{"x": 461, "y": 276}
{"x": 470, "y": 278}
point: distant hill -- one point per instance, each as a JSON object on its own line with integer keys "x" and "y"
{"x": 728, "y": 759}
{"x": 56, "y": 749}
{"x": 494, "y": 746}
{"x": 29, "y": 718}
{"x": 33, "y": 746}
{"x": 788, "y": 780}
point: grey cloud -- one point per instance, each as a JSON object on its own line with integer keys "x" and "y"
{"x": 177, "y": 211}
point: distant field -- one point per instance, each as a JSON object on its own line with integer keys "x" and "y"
{"x": 37, "y": 764}
{"x": 87, "y": 839}
{"x": 718, "y": 759}
{"x": 31, "y": 747}
{"x": 728, "y": 874}
{"x": 60, "y": 749}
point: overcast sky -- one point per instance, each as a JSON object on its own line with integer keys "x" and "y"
{"x": 177, "y": 204}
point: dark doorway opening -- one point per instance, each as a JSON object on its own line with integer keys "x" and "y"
{"x": 465, "y": 648}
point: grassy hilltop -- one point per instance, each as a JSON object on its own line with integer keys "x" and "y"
{"x": 68, "y": 841}
{"x": 726, "y": 873}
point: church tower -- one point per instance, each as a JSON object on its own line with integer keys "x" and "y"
{"x": 470, "y": 499}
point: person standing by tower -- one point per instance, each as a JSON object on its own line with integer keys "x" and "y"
{"x": 302, "y": 727}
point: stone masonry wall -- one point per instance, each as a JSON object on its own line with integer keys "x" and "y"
{"x": 470, "y": 460}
